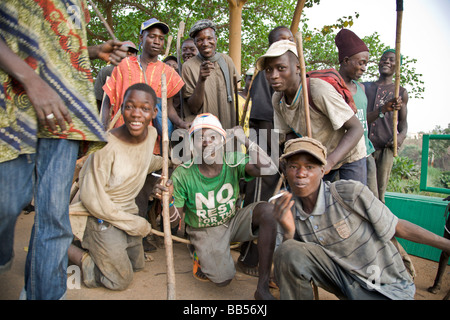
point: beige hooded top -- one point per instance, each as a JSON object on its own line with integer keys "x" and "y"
{"x": 109, "y": 182}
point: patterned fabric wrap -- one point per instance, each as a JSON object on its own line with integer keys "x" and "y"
{"x": 49, "y": 35}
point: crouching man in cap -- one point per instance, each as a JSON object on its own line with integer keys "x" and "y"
{"x": 206, "y": 190}
{"x": 338, "y": 235}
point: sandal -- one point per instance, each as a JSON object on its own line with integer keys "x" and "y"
{"x": 197, "y": 271}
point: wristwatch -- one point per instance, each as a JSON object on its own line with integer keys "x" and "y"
{"x": 380, "y": 114}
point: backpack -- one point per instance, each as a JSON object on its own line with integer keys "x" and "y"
{"x": 333, "y": 77}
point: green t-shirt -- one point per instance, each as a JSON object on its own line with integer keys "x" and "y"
{"x": 209, "y": 202}
{"x": 361, "y": 106}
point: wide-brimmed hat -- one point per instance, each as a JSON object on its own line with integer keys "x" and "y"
{"x": 153, "y": 22}
{"x": 308, "y": 145}
{"x": 277, "y": 49}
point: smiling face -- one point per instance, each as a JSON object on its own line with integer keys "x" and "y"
{"x": 188, "y": 50}
{"x": 205, "y": 41}
{"x": 304, "y": 174}
{"x": 387, "y": 64}
{"x": 138, "y": 110}
{"x": 152, "y": 40}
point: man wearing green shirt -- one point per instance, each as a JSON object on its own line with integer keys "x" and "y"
{"x": 206, "y": 190}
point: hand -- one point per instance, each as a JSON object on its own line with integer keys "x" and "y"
{"x": 158, "y": 189}
{"x": 112, "y": 51}
{"x": 394, "y": 104}
{"x": 46, "y": 103}
{"x": 205, "y": 70}
{"x": 283, "y": 214}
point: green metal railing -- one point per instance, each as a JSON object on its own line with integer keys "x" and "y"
{"x": 424, "y": 165}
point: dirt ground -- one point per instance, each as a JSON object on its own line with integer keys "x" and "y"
{"x": 150, "y": 283}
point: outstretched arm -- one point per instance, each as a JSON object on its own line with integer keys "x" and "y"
{"x": 412, "y": 232}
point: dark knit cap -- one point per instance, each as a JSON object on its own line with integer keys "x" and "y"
{"x": 200, "y": 25}
{"x": 348, "y": 44}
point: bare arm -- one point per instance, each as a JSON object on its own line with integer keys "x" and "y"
{"x": 44, "y": 99}
{"x": 354, "y": 132}
{"x": 409, "y": 231}
{"x": 110, "y": 51}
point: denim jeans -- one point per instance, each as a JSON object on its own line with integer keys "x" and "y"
{"x": 157, "y": 122}
{"x": 356, "y": 170}
{"x": 47, "y": 176}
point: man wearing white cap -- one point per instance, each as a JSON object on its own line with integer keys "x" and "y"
{"x": 206, "y": 190}
{"x": 333, "y": 122}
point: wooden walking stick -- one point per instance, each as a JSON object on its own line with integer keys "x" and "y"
{"x": 165, "y": 195}
{"x": 179, "y": 37}
{"x": 169, "y": 43}
{"x": 301, "y": 59}
{"x": 297, "y": 16}
{"x": 247, "y": 100}
{"x": 398, "y": 36}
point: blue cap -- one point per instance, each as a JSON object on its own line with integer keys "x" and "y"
{"x": 153, "y": 22}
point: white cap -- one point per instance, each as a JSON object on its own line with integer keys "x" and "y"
{"x": 275, "y": 50}
{"x": 209, "y": 121}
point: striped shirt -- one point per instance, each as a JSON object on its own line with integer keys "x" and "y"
{"x": 129, "y": 72}
{"x": 358, "y": 242}
{"x": 50, "y": 36}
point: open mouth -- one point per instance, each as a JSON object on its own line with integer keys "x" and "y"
{"x": 136, "y": 125}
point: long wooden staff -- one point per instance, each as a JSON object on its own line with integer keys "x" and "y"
{"x": 247, "y": 100}
{"x": 301, "y": 59}
{"x": 297, "y": 15}
{"x": 398, "y": 36}
{"x": 179, "y": 37}
{"x": 169, "y": 43}
{"x": 165, "y": 195}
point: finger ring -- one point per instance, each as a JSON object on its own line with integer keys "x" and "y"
{"x": 50, "y": 116}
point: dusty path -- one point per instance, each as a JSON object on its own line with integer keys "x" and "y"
{"x": 150, "y": 284}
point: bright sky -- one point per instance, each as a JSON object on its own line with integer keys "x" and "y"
{"x": 425, "y": 28}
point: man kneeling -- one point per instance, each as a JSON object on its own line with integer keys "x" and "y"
{"x": 206, "y": 189}
{"x": 338, "y": 235}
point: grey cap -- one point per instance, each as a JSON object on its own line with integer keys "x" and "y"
{"x": 200, "y": 25}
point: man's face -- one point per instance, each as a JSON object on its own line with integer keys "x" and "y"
{"x": 356, "y": 65}
{"x": 138, "y": 111}
{"x": 152, "y": 41}
{"x": 281, "y": 71}
{"x": 206, "y": 41}
{"x": 304, "y": 174}
{"x": 208, "y": 146}
{"x": 188, "y": 50}
{"x": 173, "y": 64}
{"x": 386, "y": 66}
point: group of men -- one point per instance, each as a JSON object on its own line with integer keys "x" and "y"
{"x": 336, "y": 234}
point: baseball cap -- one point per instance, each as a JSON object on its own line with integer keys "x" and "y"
{"x": 153, "y": 22}
{"x": 207, "y": 121}
{"x": 308, "y": 145}
{"x": 130, "y": 45}
{"x": 275, "y": 50}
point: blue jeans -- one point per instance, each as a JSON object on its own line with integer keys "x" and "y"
{"x": 356, "y": 170}
{"x": 157, "y": 122}
{"x": 47, "y": 176}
